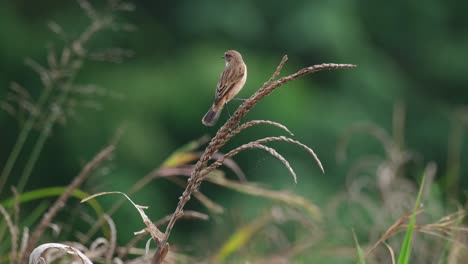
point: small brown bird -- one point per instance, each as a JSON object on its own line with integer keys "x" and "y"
{"x": 230, "y": 83}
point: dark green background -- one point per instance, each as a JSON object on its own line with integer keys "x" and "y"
{"x": 413, "y": 52}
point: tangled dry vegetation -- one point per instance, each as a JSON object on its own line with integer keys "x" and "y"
{"x": 380, "y": 187}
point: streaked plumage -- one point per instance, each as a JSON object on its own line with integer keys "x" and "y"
{"x": 230, "y": 83}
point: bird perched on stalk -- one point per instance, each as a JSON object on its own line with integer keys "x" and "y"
{"x": 230, "y": 83}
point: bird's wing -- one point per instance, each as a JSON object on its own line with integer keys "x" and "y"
{"x": 229, "y": 78}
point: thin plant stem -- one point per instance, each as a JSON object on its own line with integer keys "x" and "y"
{"x": 90, "y": 167}
{"x": 50, "y": 121}
{"x": 455, "y": 142}
{"x": 36, "y": 151}
{"x": 22, "y": 138}
{"x": 93, "y": 28}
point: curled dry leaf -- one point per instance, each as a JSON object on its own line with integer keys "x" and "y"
{"x": 38, "y": 255}
{"x": 156, "y": 234}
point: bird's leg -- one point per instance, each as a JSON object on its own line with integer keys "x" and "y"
{"x": 239, "y": 99}
{"x": 227, "y": 108}
{"x": 229, "y": 113}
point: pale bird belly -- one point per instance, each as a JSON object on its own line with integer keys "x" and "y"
{"x": 236, "y": 89}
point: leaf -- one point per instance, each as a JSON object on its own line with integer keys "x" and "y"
{"x": 405, "y": 251}
{"x": 362, "y": 260}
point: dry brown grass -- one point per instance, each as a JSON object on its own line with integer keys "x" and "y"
{"x": 201, "y": 168}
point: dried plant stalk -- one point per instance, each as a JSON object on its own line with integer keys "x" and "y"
{"x": 251, "y": 145}
{"x": 280, "y": 196}
{"x": 257, "y": 122}
{"x": 61, "y": 201}
{"x": 112, "y": 240}
{"x": 224, "y": 135}
{"x": 13, "y": 232}
{"x": 142, "y": 234}
{"x": 58, "y": 78}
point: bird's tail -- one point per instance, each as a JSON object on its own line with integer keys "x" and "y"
{"x": 212, "y": 116}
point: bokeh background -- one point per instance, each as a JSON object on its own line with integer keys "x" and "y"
{"x": 410, "y": 55}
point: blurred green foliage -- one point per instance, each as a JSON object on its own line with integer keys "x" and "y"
{"x": 409, "y": 52}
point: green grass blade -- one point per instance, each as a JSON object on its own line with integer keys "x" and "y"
{"x": 405, "y": 251}
{"x": 362, "y": 259}
{"x": 54, "y": 192}
{"x": 22, "y": 139}
{"x": 239, "y": 239}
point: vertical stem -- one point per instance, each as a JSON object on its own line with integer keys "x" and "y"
{"x": 399, "y": 116}
{"x": 91, "y": 30}
{"x": 453, "y": 158}
{"x": 37, "y": 150}
{"x": 22, "y": 138}
{"x": 50, "y": 121}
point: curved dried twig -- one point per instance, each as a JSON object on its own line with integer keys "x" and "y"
{"x": 112, "y": 240}
{"x": 280, "y": 196}
{"x": 37, "y": 254}
{"x": 257, "y": 122}
{"x": 59, "y": 203}
{"x": 232, "y": 165}
{"x": 295, "y": 142}
{"x": 13, "y": 232}
{"x": 251, "y": 145}
{"x": 259, "y": 142}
